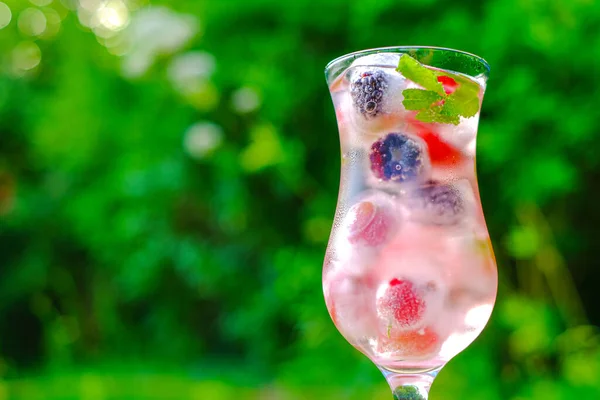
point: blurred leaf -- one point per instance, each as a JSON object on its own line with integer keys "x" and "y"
{"x": 523, "y": 242}
{"x": 264, "y": 150}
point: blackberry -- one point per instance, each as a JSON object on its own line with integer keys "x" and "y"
{"x": 407, "y": 393}
{"x": 397, "y": 157}
{"x": 367, "y": 92}
{"x": 439, "y": 204}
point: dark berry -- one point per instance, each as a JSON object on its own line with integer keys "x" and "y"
{"x": 407, "y": 393}
{"x": 402, "y": 302}
{"x": 367, "y": 92}
{"x": 397, "y": 157}
{"x": 439, "y": 204}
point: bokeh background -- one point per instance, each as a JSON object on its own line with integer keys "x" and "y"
{"x": 169, "y": 173}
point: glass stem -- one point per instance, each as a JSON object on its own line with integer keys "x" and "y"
{"x": 406, "y": 386}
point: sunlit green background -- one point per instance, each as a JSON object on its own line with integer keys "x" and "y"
{"x": 168, "y": 177}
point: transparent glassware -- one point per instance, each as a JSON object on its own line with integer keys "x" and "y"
{"x": 409, "y": 276}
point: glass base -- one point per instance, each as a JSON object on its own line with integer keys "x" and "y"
{"x": 410, "y": 386}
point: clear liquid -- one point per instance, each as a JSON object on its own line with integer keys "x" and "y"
{"x": 409, "y": 276}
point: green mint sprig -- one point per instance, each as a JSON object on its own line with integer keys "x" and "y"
{"x": 407, "y": 393}
{"x": 432, "y": 102}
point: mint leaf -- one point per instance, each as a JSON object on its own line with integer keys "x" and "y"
{"x": 437, "y": 114}
{"x": 464, "y": 101}
{"x": 419, "y": 74}
{"x": 433, "y": 103}
{"x": 417, "y": 99}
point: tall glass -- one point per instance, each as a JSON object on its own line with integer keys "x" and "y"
{"x": 409, "y": 276}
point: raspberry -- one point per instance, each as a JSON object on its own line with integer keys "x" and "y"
{"x": 437, "y": 204}
{"x": 449, "y": 84}
{"x": 397, "y": 157}
{"x": 402, "y": 302}
{"x": 371, "y": 224}
{"x": 367, "y": 92}
{"x": 440, "y": 152}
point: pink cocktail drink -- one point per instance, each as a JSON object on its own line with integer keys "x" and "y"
{"x": 409, "y": 276}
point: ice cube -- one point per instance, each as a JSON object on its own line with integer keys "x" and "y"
{"x": 443, "y": 204}
{"x": 474, "y": 278}
{"x": 440, "y": 204}
{"x": 386, "y": 63}
{"x": 378, "y": 60}
{"x": 373, "y": 101}
{"x": 351, "y": 303}
{"x": 416, "y": 267}
{"x": 365, "y": 225}
{"x": 466, "y": 326}
{"x": 461, "y": 136}
{"x": 376, "y": 91}
{"x": 371, "y": 221}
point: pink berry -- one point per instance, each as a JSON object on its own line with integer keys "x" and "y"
{"x": 370, "y": 224}
{"x": 403, "y": 302}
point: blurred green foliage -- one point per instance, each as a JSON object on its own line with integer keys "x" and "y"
{"x": 167, "y": 190}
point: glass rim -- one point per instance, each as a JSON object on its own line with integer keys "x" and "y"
{"x": 405, "y": 49}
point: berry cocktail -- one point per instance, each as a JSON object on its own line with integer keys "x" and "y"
{"x": 409, "y": 276}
